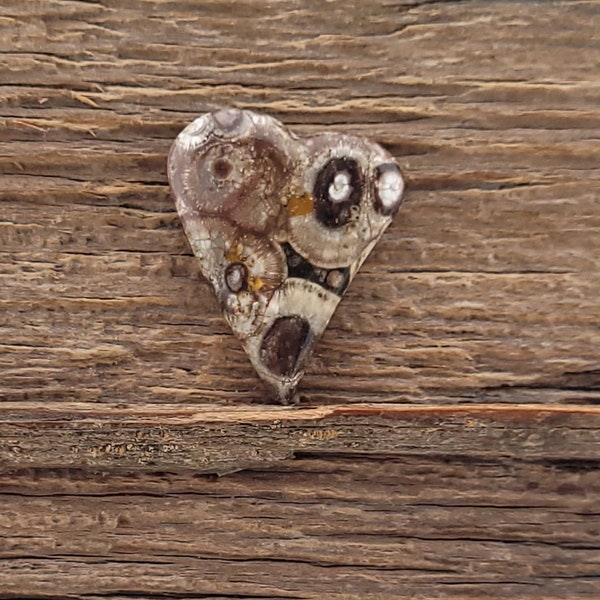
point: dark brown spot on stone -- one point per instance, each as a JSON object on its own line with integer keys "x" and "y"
{"x": 221, "y": 168}
{"x": 283, "y": 344}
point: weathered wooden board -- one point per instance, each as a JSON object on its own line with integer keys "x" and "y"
{"x": 489, "y": 277}
{"x": 412, "y": 527}
{"x": 220, "y": 441}
{"x": 446, "y": 444}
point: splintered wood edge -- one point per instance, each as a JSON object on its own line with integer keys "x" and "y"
{"x": 213, "y": 440}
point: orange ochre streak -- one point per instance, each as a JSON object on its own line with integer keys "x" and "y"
{"x": 299, "y": 206}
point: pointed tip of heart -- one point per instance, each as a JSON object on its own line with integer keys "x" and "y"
{"x": 293, "y": 323}
{"x": 280, "y": 225}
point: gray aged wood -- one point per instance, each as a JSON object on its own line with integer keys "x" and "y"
{"x": 447, "y": 440}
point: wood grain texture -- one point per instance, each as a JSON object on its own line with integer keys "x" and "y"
{"x": 487, "y": 279}
{"x": 212, "y": 441}
{"x": 335, "y": 528}
{"x": 447, "y": 440}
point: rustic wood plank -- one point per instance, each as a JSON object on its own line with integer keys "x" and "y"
{"x": 424, "y": 527}
{"x": 446, "y": 443}
{"x": 100, "y": 292}
{"x": 215, "y": 441}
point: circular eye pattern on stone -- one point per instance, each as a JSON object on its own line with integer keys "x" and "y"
{"x": 338, "y": 188}
{"x": 236, "y": 277}
{"x": 388, "y": 188}
{"x": 283, "y": 344}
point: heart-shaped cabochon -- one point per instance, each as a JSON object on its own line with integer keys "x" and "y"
{"x": 280, "y": 226}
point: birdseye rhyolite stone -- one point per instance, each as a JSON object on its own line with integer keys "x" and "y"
{"x": 280, "y": 226}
